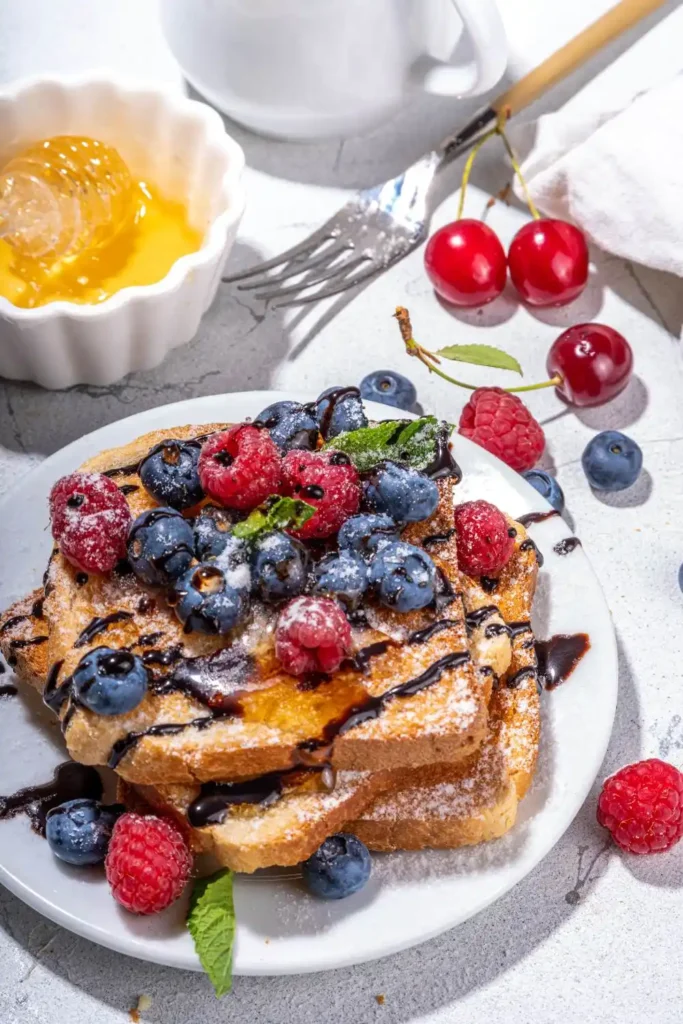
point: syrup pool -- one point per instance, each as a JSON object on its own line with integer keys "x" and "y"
{"x": 141, "y": 254}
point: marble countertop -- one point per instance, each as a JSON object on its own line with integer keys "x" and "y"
{"x": 589, "y": 935}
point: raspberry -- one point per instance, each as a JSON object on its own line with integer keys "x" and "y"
{"x": 642, "y": 806}
{"x": 147, "y": 864}
{"x": 313, "y": 635}
{"x": 327, "y": 480}
{"x": 90, "y": 520}
{"x": 484, "y": 544}
{"x": 502, "y": 424}
{"x": 240, "y": 467}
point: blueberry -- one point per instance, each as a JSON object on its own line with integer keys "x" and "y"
{"x": 169, "y": 473}
{"x": 546, "y": 485}
{"x": 290, "y": 425}
{"x": 279, "y": 566}
{"x": 363, "y": 534}
{"x": 338, "y": 410}
{"x": 344, "y": 576}
{"x": 405, "y": 494}
{"x": 404, "y": 576}
{"x": 389, "y": 388}
{"x": 160, "y": 546}
{"x": 109, "y": 682}
{"x": 210, "y": 600}
{"x": 79, "y": 831}
{"x": 338, "y": 868}
{"x": 211, "y": 531}
{"x": 611, "y": 461}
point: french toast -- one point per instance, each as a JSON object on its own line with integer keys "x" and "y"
{"x": 293, "y": 811}
{"x": 185, "y": 729}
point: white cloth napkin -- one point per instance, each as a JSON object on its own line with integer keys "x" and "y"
{"x": 611, "y": 159}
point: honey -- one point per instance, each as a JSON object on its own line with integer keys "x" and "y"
{"x": 88, "y": 230}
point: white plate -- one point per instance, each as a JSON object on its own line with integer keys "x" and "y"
{"x": 410, "y": 897}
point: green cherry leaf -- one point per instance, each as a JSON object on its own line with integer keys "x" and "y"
{"x": 481, "y": 355}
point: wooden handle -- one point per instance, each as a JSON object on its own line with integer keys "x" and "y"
{"x": 561, "y": 63}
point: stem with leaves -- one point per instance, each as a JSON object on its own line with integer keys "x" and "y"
{"x": 480, "y": 355}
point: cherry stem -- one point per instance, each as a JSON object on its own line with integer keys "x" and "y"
{"x": 500, "y": 130}
{"x": 433, "y": 363}
{"x": 467, "y": 170}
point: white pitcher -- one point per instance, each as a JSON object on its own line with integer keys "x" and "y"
{"x": 305, "y": 69}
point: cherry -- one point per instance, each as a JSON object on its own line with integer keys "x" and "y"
{"x": 548, "y": 262}
{"x": 466, "y": 263}
{"x": 594, "y": 361}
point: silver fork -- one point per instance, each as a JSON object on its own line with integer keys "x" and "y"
{"x": 375, "y": 229}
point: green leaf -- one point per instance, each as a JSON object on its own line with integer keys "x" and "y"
{"x": 411, "y": 442}
{"x": 481, "y": 355}
{"x": 274, "y": 514}
{"x": 211, "y": 923}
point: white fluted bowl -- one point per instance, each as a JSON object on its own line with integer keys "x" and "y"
{"x": 182, "y": 147}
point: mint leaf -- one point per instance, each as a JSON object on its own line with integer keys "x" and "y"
{"x": 274, "y": 514}
{"x": 481, "y": 355}
{"x": 411, "y": 442}
{"x": 211, "y": 923}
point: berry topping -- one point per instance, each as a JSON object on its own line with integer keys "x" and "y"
{"x": 90, "y": 520}
{"x": 344, "y": 576}
{"x": 389, "y": 388}
{"x": 328, "y": 481}
{"x": 211, "y": 531}
{"x": 502, "y": 424}
{"x": 594, "y": 361}
{"x": 169, "y": 473}
{"x": 148, "y": 863}
{"x": 365, "y": 534}
{"x": 240, "y": 467}
{"x": 291, "y": 425}
{"x": 466, "y": 263}
{"x": 339, "y": 410}
{"x": 484, "y": 544}
{"x": 400, "y": 492}
{"x": 642, "y": 806}
{"x": 313, "y": 635}
{"x": 110, "y": 682}
{"x": 403, "y": 576}
{"x": 612, "y": 461}
{"x": 79, "y": 831}
{"x": 160, "y": 546}
{"x": 546, "y": 485}
{"x": 210, "y": 599}
{"x": 548, "y": 261}
{"x": 338, "y": 868}
{"x": 279, "y": 566}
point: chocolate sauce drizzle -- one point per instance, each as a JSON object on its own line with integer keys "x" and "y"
{"x": 128, "y": 488}
{"x": 98, "y": 624}
{"x": 437, "y": 538}
{"x": 33, "y": 641}
{"x": 566, "y": 546}
{"x": 530, "y": 545}
{"x": 13, "y": 621}
{"x": 71, "y": 781}
{"x": 559, "y": 656}
{"x": 8, "y": 689}
{"x": 215, "y": 798}
{"x": 333, "y": 400}
{"x": 529, "y": 518}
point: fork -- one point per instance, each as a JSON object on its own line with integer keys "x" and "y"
{"x": 381, "y": 225}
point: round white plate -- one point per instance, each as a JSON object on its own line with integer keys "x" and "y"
{"x": 411, "y": 896}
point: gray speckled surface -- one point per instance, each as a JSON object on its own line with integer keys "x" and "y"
{"x": 589, "y": 935}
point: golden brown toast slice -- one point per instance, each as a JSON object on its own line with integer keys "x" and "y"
{"x": 221, "y": 709}
{"x": 478, "y": 801}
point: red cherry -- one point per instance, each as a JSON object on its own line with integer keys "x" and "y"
{"x": 548, "y": 262}
{"x": 466, "y": 263}
{"x": 594, "y": 361}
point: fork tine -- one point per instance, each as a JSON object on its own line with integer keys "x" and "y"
{"x": 339, "y": 267}
{"x": 334, "y": 288}
{"x": 308, "y": 245}
{"x": 326, "y": 256}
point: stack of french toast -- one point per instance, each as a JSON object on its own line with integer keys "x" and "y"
{"x": 426, "y": 735}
